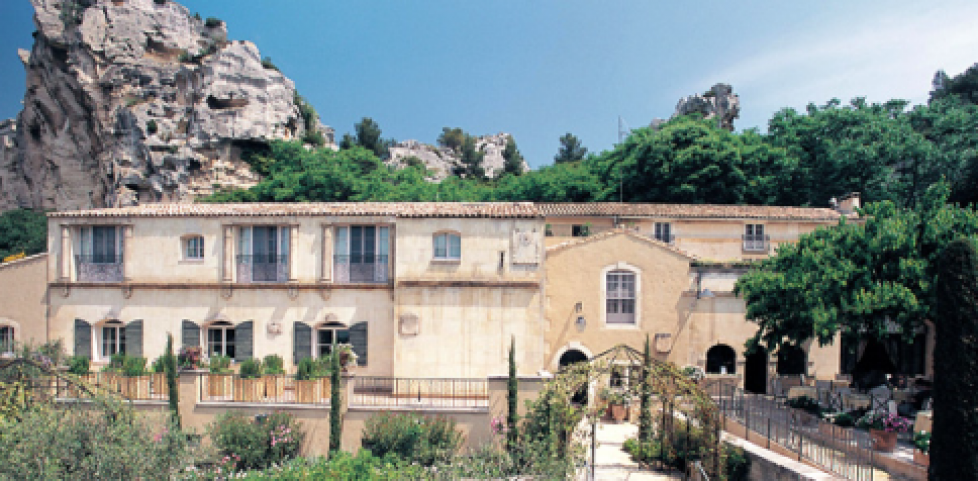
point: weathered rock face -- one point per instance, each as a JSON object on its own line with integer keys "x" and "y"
{"x": 138, "y": 101}
{"x": 719, "y": 102}
{"x": 443, "y": 161}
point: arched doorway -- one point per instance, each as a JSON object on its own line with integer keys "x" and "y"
{"x": 573, "y": 356}
{"x": 792, "y": 360}
{"x": 721, "y": 359}
{"x": 755, "y": 372}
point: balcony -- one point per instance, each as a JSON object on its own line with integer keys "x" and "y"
{"x": 756, "y": 243}
{"x": 361, "y": 269}
{"x": 99, "y": 268}
{"x": 262, "y": 268}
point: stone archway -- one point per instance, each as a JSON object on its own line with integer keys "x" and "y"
{"x": 569, "y": 358}
{"x": 721, "y": 359}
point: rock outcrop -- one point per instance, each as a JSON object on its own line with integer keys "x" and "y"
{"x": 443, "y": 161}
{"x": 134, "y": 101}
{"x": 718, "y": 103}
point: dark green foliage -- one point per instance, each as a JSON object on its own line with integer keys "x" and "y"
{"x": 266, "y": 62}
{"x": 368, "y": 136}
{"x": 412, "y": 437}
{"x": 250, "y": 369}
{"x": 134, "y": 366}
{"x": 159, "y": 365}
{"x": 844, "y": 420}
{"x": 955, "y": 432}
{"x": 571, "y": 149}
{"x": 160, "y": 2}
{"x": 806, "y": 404}
{"x": 274, "y": 364}
{"x": 213, "y": 22}
{"x": 23, "y": 230}
{"x": 736, "y": 464}
{"x": 963, "y": 86}
{"x": 513, "y": 159}
{"x": 309, "y": 368}
{"x": 220, "y": 365}
{"x": 335, "y": 404}
{"x": 258, "y": 441}
{"x": 310, "y": 118}
{"x": 452, "y": 138}
{"x": 645, "y": 399}
{"x": 78, "y": 365}
{"x": 152, "y": 127}
{"x": 170, "y": 361}
{"x": 512, "y": 397}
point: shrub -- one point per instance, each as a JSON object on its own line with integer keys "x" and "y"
{"x": 78, "y": 365}
{"x": 250, "y": 369}
{"x": 134, "y": 366}
{"x": 266, "y": 62}
{"x": 844, "y": 420}
{"x": 806, "y": 404}
{"x": 309, "y": 368}
{"x": 213, "y": 22}
{"x": 736, "y": 464}
{"x": 259, "y": 441}
{"x": 159, "y": 365}
{"x": 412, "y": 437}
{"x": 152, "y": 127}
{"x": 274, "y": 364}
{"x": 220, "y": 365}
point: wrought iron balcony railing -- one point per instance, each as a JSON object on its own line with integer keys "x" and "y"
{"x": 360, "y": 268}
{"x": 99, "y": 268}
{"x": 756, "y": 243}
{"x": 263, "y": 268}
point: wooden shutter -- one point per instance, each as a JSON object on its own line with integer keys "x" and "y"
{"x": 83, "y": 338}
{"x": 134, "y": 338}
{"x": 190, "y": 334}
{"x": 244, "y": 341}
{"x": 358, "y": 339}
{"x": 301, "y": 342}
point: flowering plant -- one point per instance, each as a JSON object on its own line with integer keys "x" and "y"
{"x": 498, "y": 425}
{"x": 191, "y": 358}
{"x": 885, "y": 422}
{"x": 348, "y": 358}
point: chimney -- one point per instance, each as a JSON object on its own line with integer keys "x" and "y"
{"x": 848, "y": 203}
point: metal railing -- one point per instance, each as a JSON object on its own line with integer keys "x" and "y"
{"x": 358, "y": 268}
{"x": 262, "y": 268}
{"x": 99, "y": 268}
{"x": 269, "y": 389}
{"x": 756, "y": 243}
{"x": 842, "y": 451}
{"x": 149, "y": 387}
{"x": 420, "y": 392}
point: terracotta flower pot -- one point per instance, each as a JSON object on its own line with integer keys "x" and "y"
{"x": 921, "y": 458}
{"x": 618, "y": 412}
{"x": 883, "y": 441}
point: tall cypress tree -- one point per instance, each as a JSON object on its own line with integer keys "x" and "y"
{"x": 645, "y": 416}
{"x": 512, "y": 394}
{"x": 954, "y": 445}
{"x": 170, "y": 368}
{"x": 335, "y": 404}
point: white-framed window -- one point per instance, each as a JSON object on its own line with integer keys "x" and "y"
{"x": 754, "y": 230}
{"x": 448, "y": 246}
{"x": 663, "y": 232}
{"x": 193, "y": 247}
{"x": 220, "y": 339}
{"x": 101, "y": 244}
{"x": 754, "y": 238}
{"x": 113, "y": 335}
{"x": 620, "y": 297}
{"x": 328, "y": 336}
{"x": 263, "y": 253}
{"x": 360, "y": 253}
{"x": 7, "y": 337}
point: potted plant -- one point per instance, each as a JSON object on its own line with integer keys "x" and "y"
{"x": 921, "y": 441}
{"x": 308, "y": 383}
{"x": 135, "y": 382}
{"x": 191, "y": 358}
{"x": 158, "y": 378}
{"x": 220, "y": 381}
{"x": 248, "y": 385}
{"x": 80, "y": 367}
{"x": 348, "y": 358}
{"x": 274, "y": 377}
{"x": 618, "y": 401}
{"x": 835, "y": 421}
{"x": 883, "y": 429}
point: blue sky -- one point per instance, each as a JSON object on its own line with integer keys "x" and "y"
{"x": 540, "y": 68}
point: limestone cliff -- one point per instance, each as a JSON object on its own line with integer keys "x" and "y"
{"x": 133, "y": 101}
{"x": 442, "y": 161}
{"x": 717, "y": 103}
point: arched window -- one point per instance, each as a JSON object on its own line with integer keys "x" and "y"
{"x": 721, "y": 359}
{"x": 113, "y": 339}
{"x": 193, "y": 247}
{"x": 328, "y": 336}
{"x": 7, "y": 337}
{"x": 220, "y": 339}
{"x": 448, "y": 246}
{"x": 620, "y": 297}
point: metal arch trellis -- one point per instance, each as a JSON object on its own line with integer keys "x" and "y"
{"x": 677, "y": 396}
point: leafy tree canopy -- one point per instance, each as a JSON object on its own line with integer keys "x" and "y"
{"x": 23, "y": 231}
{"x": 571, "y": 149}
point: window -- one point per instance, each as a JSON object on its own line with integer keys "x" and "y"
{"x": 220, "y": 339}
{"x": 663, "y": 232}
{"x": 328, "y": 336}
{"x": 620, "y": 297}
{"x": 360, "y": 253}
{"x": 113, "y": 339}
{"x": 581, "y": 230}
{"x": 754, "y": 238}
{"x": 448, "y": 246}
{"x": 754, "y": 230}
{"x": 101, "y": 245}
{"x": 263, "y": 253}
{"x": 6, "y": 339}
{"x": 193, "y": 247}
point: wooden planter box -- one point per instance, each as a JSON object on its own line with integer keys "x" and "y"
{"x": 883, "y": 441}
{"x": 274, "y": 386}
{"x": 249, "y": 390}
{"x": 136, "y": 387}
{"x": 158, "y": 384}
{"x": 308, "y": 392}
{"x": 220, "y": 385}
{"x": 921, "y": 458}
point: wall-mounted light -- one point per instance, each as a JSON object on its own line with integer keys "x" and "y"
{"x": 705, "y": 294}
{"x": 580, "y": 323}
{"x": 578, "y": 307}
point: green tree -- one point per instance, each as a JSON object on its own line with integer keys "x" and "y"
{"x": 571, "y": 149}
{"x": 512, "y": 397}
{"x": 855, "y": 279}
{"x": 471, "y": 159}
{"x": 452, "y": 138}
{"x": 170, "y": 364}
{"x": 23, "y": 231}
{"x": 954, "y": 445}
{"x": 963, "y": 86}
{"x": 645, "y": 399}
{"x": 513, "y": 158}
{"x": 368, "y": 136}
{"x": 335, "y": 404}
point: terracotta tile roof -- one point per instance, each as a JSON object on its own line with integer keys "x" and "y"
{"x": 686, "y": 211}
{"x": 394, "y": 209}
{"x": 615, "y": 232}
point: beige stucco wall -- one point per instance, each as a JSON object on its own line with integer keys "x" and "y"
{"x": 23, "y": 290}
